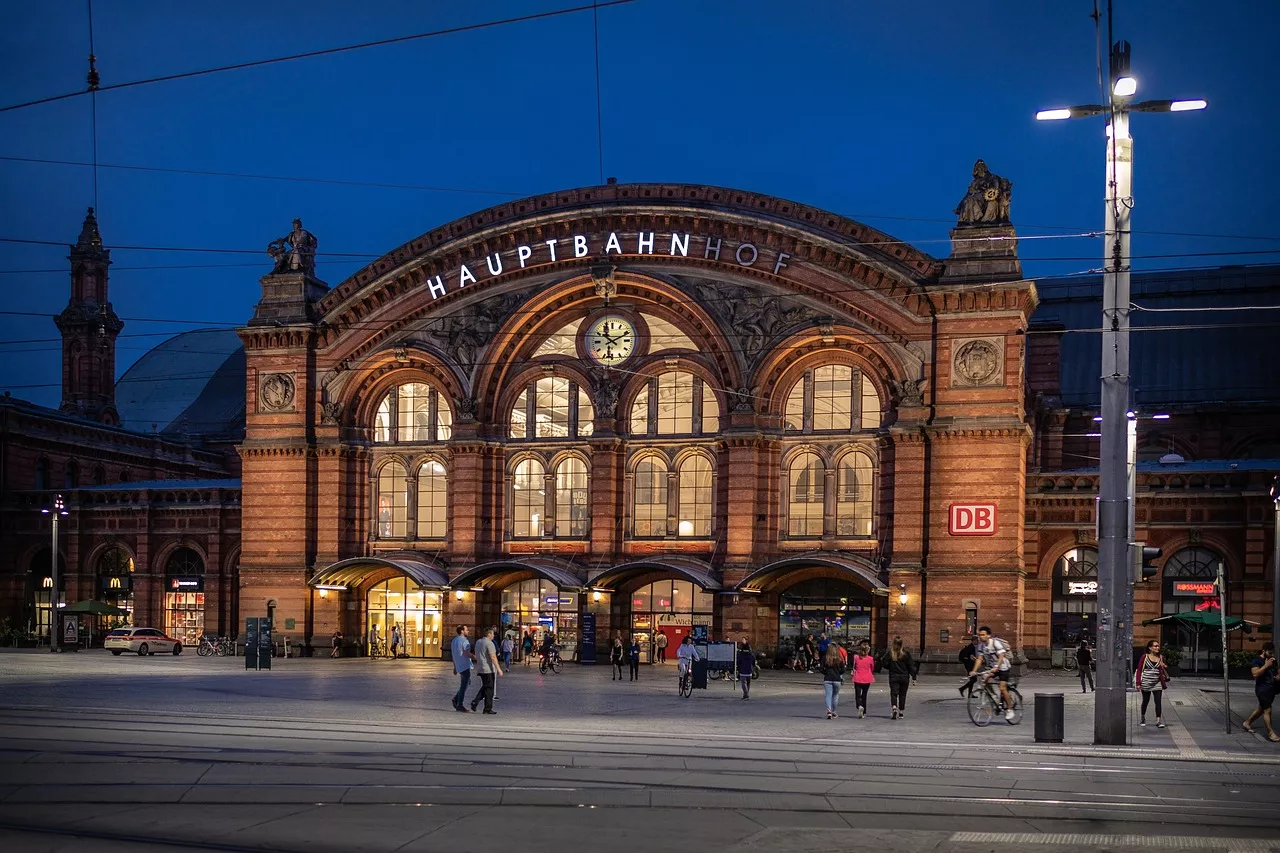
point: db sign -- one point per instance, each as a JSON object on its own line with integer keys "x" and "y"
{"x": 972, "y": 520}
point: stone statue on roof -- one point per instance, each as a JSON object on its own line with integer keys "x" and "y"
{"x": 987, "y": 201}
{"x": 295, "y": 251}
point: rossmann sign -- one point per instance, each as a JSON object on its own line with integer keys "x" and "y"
{"x": 972, "y": 520}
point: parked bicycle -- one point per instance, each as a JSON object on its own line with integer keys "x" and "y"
{"x": 985, "y": 702}
{"x": 220, "y": 646}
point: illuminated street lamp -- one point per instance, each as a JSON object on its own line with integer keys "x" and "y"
{"x": 1115, "y": 596}
{"x": 58, "y": 510}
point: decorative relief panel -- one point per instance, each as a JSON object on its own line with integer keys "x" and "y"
{"x": 276, "y": 393}
{"x": 977, "y": 362}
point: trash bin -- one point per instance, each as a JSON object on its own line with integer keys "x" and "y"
{"x": 700, "y": 674}
{"x": 1049, "y": 725}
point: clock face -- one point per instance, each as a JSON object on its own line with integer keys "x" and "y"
{"x": 611, "y": 339}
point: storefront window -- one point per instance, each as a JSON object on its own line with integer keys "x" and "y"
{"x": 184, "y": 596}
{"x": 115, "y": 586}
{"x": 540, "y": 606}
{"x": 670, "y": 608}
{"x": 838, "y": 608}
{"x": 42, "y": 588}
{"x": 1188, "y": 585}
{"x": 1075, "y": 597}
{"x": 417, "y": 612}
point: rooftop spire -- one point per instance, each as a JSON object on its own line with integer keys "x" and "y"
{"x": 89, "y": 236}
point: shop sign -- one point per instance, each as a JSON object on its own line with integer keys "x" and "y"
{"x": 1081, "y": 587}
{"x": 117, "y": 583}
{"x": 186, "y": 584}
{"x": 1189, "y": 589}
{"x": 972, "y": 520}
{"x": 592, "y": 246}
{"x": 69, "y": 631}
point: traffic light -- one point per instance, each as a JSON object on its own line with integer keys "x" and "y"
{"x": 1144, "y": 561}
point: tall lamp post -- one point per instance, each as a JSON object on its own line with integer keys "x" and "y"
{"x": 1115, "y": 595}
{"x": 57, "y": 511}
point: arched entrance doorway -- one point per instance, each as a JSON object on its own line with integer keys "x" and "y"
{"x": 184, "y": 596}
{"x": 385, "y": 593}
{"x": 1188, "y": 585}
{"x": 838, "y": 594}
{"x": 1075, "y": 601}
{"x": 40, "y": 588}
{"x": 663, "y": 597}
{"x": 522, "y": 595}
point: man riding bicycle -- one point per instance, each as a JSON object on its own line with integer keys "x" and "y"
{"x": 993, "y": 662}
{"x": 685, "y": 656}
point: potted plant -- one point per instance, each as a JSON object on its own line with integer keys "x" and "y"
{"x": 1173, "y": 657}
{"x": 1238, "y": 664}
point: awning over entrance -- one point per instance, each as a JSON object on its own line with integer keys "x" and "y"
{"x": 354, "y": 570}
{"x": 689, "y": 568}
{"x": 859, "y": 570}
{"x": 496, "y": 572}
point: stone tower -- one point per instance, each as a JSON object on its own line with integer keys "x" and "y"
{"x": 89, "y": 328}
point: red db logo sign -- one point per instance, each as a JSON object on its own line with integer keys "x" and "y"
{"x": 972, "y": 520}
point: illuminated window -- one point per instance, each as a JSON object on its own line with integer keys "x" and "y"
{"x": 832, "y": 398}
{"x": 675, "y": 403}
{"x": 563, "y": 342}
{"x": 413, "y": 413}
{"x": 666, "y": 336}
{"x": 393, "y": 502}
{"x": 695, "y": 497}
{"x": 573, "y": 512}
{"x": 529, "y": 498}
{"x": 806, "y": 494}
{"x": 651, "y": 497}
{"x": 432, "y": 491}
{"x": 853, "y": 495}
{"x": 556, "y": 407}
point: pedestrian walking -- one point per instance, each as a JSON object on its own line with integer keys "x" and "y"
{"x": 634, "y": 658}
{"x": 863, "y": 666}
{"x": 526, "y": 648}
{"x": 1265, "y": 681}
{"x": 661, "y": 644}
{"x": 337, "y": 645}
{"x": 508, "y": 647}
{"x": 832, "y": 675}
{"x": 902, "y": 669}
{"x": 746, "y": 666}
{"x": 968, "y": 657}
{"x": 396, "y": 639}
{"x": 489, "y": 668}
{"x": 1084, "y": 662}
{"x": 1152, "y": 678}
{"x": 463, "y": 660}
{"x": 617, "y": 657}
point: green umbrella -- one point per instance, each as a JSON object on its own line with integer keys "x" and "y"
{"x": 95, "y": 607}
{"x": 1198, "y": 620}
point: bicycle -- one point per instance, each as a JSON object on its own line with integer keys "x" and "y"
{"x": 1069, "y": 662}
{"x": 686, "y": 683}
{"x": 208, "y": 646}
{"x": 226, "y": 647}
{"x": 550, "y": 661}
{"x": 986, "y": 702}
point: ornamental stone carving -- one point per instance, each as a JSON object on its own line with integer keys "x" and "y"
{"x": 604, "y": 394}
{"x": 466, "y": 334}
{"x": 466, "y": 409}
{"x": 987, "y": 201}
{"x": 756, "y": 316}
{"x": 276, "y": 392}
{"x": 977, "y": 362}
{"x": 910, "y": 392}
{"x": 294, "y": 252}
{"x": 330, "y": 412}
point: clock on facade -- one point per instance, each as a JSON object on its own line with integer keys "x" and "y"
{"x": 610, "y": 339}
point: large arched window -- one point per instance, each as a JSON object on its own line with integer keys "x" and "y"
{"x": 853, "y": 495}
{"x": 115, "y": 584}
{"x": 432, "y": 503}
{"x": 651, "y": 497}
{"x": 556, "y": 407}
{"x": 529, "y": 498}
{"x": 695, "y": 497}
{"x": 573, "y": 509}
{"x": 832, "y": 398}
{"x": 393, "y": 502}
{"x": 675, "y": 403}
{"x": 185, "y": 562}
{"x": 806, "y": 494}
{"x": 413, "y": 413}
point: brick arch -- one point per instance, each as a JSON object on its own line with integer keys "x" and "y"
{"x": 1055, "y": 552}
{"x": 789, "y": 455}
{"x": 787, "y": 362}
{"x": 91, "y": 559}
{"x": 1208, "y": 541}
{"x": 374, "y": 378}
{"x": 161, "y": 558}
{"x": 498, "y": 411}
{"x": 375, "y": 470}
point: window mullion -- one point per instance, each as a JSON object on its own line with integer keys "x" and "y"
{"x": 697, "y": 405}
{"x": 395, "y": 415}
{"x": 807, "y": 419}
{"x": 855, "y": 400}
{"x": 573, "y": 409}
{"x": 653, "y": 406}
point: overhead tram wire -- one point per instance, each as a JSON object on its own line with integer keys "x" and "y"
{"x": 311, "y": 54}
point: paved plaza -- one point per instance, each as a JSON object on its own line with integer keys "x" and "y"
{"x": 105, "y": 753}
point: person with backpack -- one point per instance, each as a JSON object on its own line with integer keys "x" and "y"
{"x": 746, "y": 667}
{"x": 902, "y": 669}
{"x": 994, "y": 661}
{"x": 968, "y": 657}
{"x": 526, "y": 648}
{"x": 863, "y": 667}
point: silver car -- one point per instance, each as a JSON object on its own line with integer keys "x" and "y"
{"x": 144, "y": 641}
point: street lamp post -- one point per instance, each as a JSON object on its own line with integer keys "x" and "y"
{"x": 58, "y": 510}
{"x": 1115, "y": 595}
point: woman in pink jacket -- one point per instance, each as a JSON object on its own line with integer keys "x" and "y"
{"x": 863, "y": 665}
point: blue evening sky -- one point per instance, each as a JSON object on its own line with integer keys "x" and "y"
{"x": 873, "y": 110}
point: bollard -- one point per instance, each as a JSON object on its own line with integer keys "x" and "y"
{"x": 1049, "y": 724}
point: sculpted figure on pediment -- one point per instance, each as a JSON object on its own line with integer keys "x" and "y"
{"x": 466, "y": 334}
{"x": 751, "y": 317}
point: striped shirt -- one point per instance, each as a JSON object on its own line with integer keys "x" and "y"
{"x": 1151, "y": 674}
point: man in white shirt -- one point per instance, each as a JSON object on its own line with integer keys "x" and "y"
{"x": 489, "y": 668}
{"x": 463, "y": 660}
{"x": 993, "y": 655}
